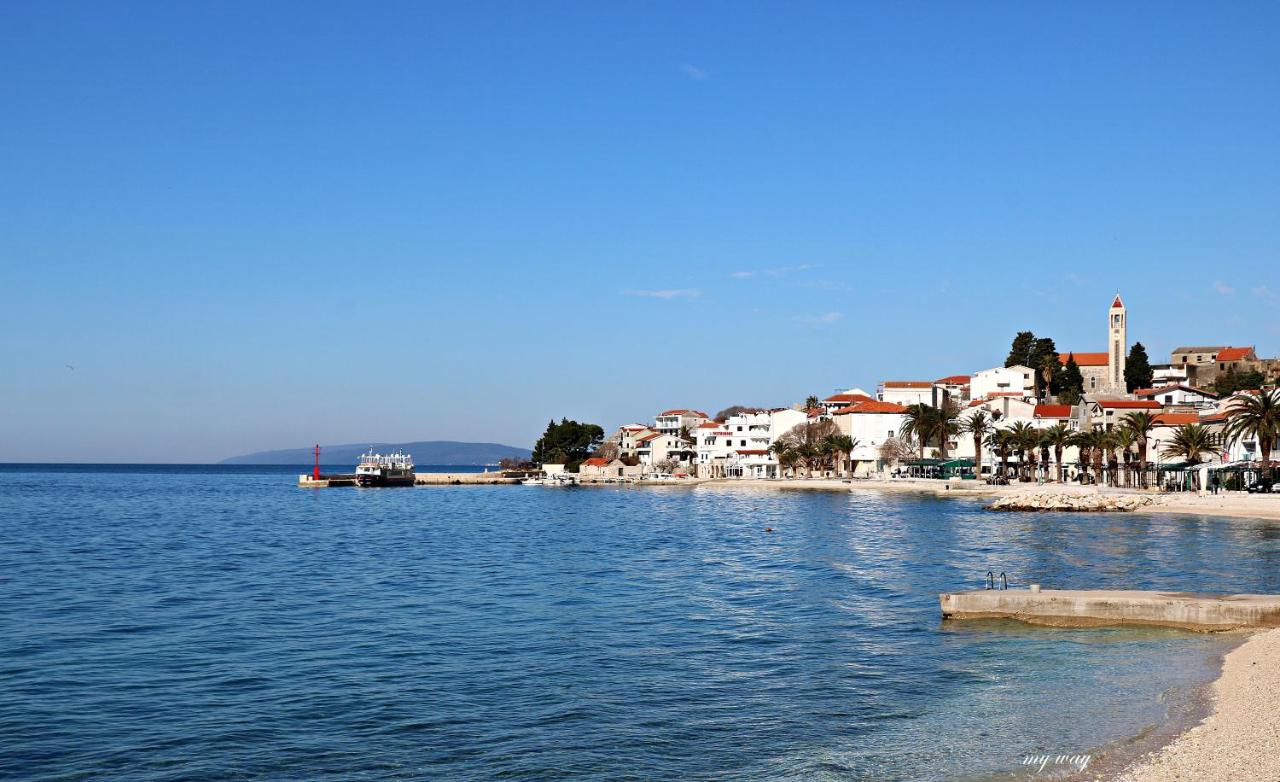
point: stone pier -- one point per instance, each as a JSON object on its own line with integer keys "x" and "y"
{"x": 1090, "y": 608}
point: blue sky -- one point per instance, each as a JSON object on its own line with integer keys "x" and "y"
{"x": 263, "y": 225}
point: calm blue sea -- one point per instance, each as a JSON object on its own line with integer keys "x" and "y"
{"x": 219, "y": 623}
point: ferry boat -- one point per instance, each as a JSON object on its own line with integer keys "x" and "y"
{"x": 393, "y": 469}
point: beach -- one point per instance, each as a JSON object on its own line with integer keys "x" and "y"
{"x": 1240, "y": 740}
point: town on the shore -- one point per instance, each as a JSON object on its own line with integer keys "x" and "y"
{"x": 1211, "y": 414}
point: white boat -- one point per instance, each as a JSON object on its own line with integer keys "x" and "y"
{"x": 393, "y": 469}
{"x": 532, "y": 482}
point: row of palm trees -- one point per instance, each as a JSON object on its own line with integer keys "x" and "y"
{"x": 832, "y": 451}
{"x": 1118, "y": 450}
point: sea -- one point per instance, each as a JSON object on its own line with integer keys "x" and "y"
{"x": 170, "y": 622}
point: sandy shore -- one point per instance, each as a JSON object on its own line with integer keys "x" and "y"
{"x": 1252, "y": 506}
{"x": 1240, "y": 740}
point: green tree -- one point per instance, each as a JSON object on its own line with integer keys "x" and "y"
{"x": 1137, "y": 369}
{"x": 1191, "y": 442}
{"x": 979, "y": 426}
{"x": 1001, "y": 442}
{"x": 919, "y": 422}
{"x": 1056, "y": 437}
{"x": 1140, "y": 423}
{"x": 1024, "y": 438}
{"x": 1022, "y": 349}
{"x": 1256, "y": 416}
{"x": 568, "y": 443}
{"x": 811, "y": 402}
{"x": 1044, "y": 360}
{"x": 1232, "y": 381}
{"x": 1070, "y": 382}
{"x": 841, "y": 446}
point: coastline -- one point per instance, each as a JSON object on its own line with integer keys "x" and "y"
{"x": 1239, "y": 737}
{"x": 1244, "y": 506}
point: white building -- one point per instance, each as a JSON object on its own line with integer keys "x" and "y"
{"x": 740, "y": 446}
{"x": 627, "y": 436}
{"x": 870, "y": 424}
{"x": 906, "y": 392}
{"x": 654, "y": 448}
{"x": 1003, "y": 381}
{"x": 1179, "y": 396}
{"x": 672, "y": 421}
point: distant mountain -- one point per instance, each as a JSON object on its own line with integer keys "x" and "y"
{"x": 425, "y": 452}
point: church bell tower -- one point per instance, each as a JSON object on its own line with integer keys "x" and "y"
{"x": 1117, "y": 353}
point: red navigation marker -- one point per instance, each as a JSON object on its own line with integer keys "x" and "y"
{"x": 316, "y": 472}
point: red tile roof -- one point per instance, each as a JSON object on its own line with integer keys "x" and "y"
{"x": 597, "y": 461}
{"x": 709, "y": 425}
{"x": 1053, "y": 411}
{"x": 952, "y": 380}
{"x": 1234, "y": 354}
{"x": 871, "y": 407}
{"x": 907, "y": 384}
{"x": 1130, "y": 404}
{"x": 848, "y": 398}
{"x": 1117, "y": 304}
{"x": 814, "y": 412}
{"x": 1085, "y": 359}
{"x": 1176, "y": 419}
{"x": 647, "y": 437}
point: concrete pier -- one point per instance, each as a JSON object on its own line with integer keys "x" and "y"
{"x": 1090, "y": 608}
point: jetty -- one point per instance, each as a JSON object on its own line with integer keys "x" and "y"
{"x": 1101, "y": 608}
{"x": 419, "y": 479}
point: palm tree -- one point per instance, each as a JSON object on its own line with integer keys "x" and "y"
{"x": 1123, "y": 438}
{"x": 842, "y": 445}
{"x": 1057, "y": 437}
{"x": 1191, "y": 442}
{"x": 1025, "y": 437}
{"x": 1256, "y": 416}
{"x": 980, "y": 426}
{"x": 946, "y": 424}
{"x": 1141, "y": 423}
{"x": 918, "y": 421}
{"x": 811, "y": 402}
{"x": 1002, "y": 443}
{"x": 785, "y": 455}
{"x": 1083, "y": 441}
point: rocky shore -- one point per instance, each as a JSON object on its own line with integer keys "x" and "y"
{"x": 1076, "y": 501}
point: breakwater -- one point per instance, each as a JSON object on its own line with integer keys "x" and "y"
{"x": 1075, "y": 501}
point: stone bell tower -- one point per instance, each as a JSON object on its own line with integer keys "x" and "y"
{"x": 1118, "y": 345}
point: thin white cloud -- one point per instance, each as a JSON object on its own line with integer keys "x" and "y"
{"x": 777, "y": 271}
{"x": 669, "y": 293}
{"x": 825, "y": 319}
{"x": 1223, "y": 288}
{"x": 1263, "y": 292}
{"x": 694, "y": 72}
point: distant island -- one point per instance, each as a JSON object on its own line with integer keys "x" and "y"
{"x": 424, "y": 452}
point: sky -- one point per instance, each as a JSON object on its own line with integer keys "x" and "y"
{"x": 229, "y": 227}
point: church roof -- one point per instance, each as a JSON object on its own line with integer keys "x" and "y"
{"x": 1086, "y": 359}
{"x": 1117, "y": 304}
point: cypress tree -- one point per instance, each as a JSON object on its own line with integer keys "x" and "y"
{"x": 1022, "y": 349}
{"x": 1137, "y": 369}
{"x": 1071, "y": 381}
